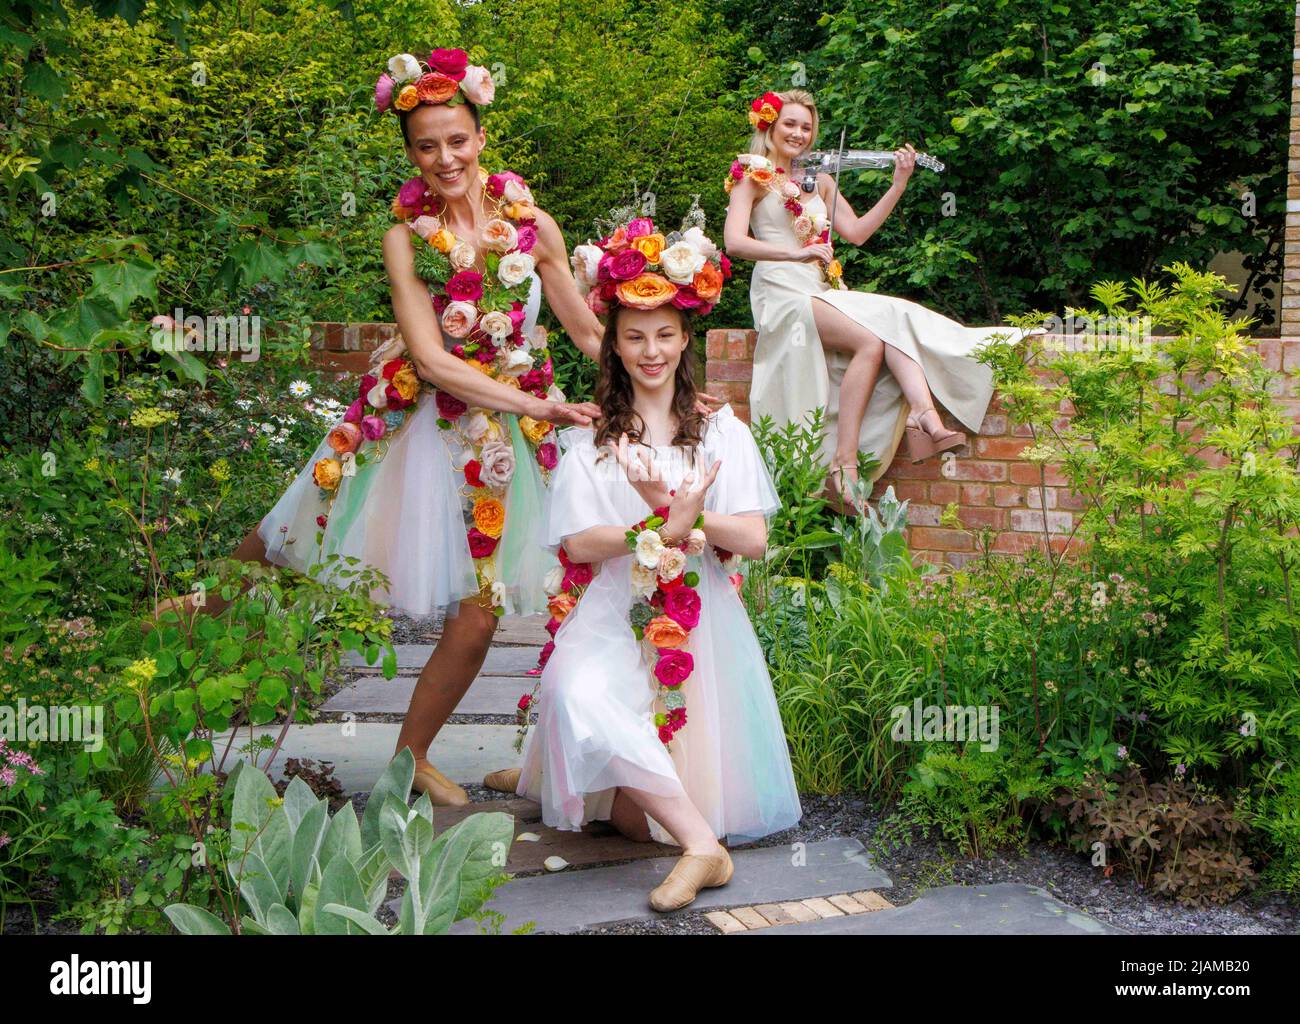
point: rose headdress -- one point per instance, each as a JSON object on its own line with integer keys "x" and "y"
{"x": 635, "y": 265}
{"x": 445, "y": 77}
{"x": 764, "y": 110}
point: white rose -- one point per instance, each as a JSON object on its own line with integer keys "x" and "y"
{"x": 461, "y": 256}
{"x": 700, "y": 242}
{"x": 681, "y": 262}
{"x": 554, "y": 580}
{"x": 498, "y": 464}
{"x": 537, "y": 338}
{"x": 425, "y": 226}
{"x": 648, "y": 548}
{"x": 459, "y": 318}
{"x": 498, "y": 593}
{"x": 514, "y": 268}
{"x": 755, "y": 161}
{"x": 644, "y": 581}
{"x": 500, "y": 235}
{"x": 378, "y": 395}
{"x": 672, "y": 563}
{"x": 497, "y": 324}
{"x": 516, "y": 192}
{"x": 518, "y": 362}
{"x": 695, "y": 542}
{"x": 404, "y": 68}
{"x": 585, "y": 261}
{"x": 476, "y": 426}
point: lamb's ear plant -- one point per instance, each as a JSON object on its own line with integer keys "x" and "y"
{"x": 302, "y": 872}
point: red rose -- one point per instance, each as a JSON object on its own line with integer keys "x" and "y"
{"x": 626, "y": 265}
{"x": 552, "y": 625}
{"x": 391, "y": 367}
{"x": 546, "y": 457}
{"x": 368, "y": 381}
{"x": 449, "y": 406}
{"x": 525, "y": 702}
{"x": 724, "y": 265}
{"x": 480, "y": 544}
{"x": 451, "y": 63}
{"x": 682, "y": 605}
{"x": 665, "y": 733}
{"x": 321, "y": 521}
{"x": 465, "y": 286}
{"x": 545, "y": 656}
{"x": 395, "y": 399}
{"x": 471, "y": 471}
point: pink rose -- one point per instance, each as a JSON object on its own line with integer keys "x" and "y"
{"x": 545, "y": 656}
{"x": 383, "y": 92}
{"x": 724, "y": 265}
{"x": 353, "y": 415}
{"x": 373, "y": 428}
{"x": 459, "y": 318}
{"x": 682, "y": 605}
{"x": 321, "y": 521}
{"x": 626, "y": 265}
{"x": 673, "y": 666}
{"x": 411, "y": 193}
{"x": 451, "y": 63}
{"x": 640, "y": 226}
{"x": 465, "y": 286}
{"x": 686, "y": 298}
{"x": 596, "y": 304}
{"x": 552, "y": 625}
{"x": 546, "y": 457}
{"x": 737, "y": 170}
{"x": 368, "y": 381}
{"x": 496, "y": 183}
{"x": 665, "y": 734}
{"x": 527, "y": 237}
{"x": 449, "y": 406}
{"x": 478, "y": 86}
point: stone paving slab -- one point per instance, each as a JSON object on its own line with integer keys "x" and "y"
{"x": 501, "y": 661}
{"x": 572, "y": 900}
{"x": 511, "y": 630}
{"x": 370, "y": 693}
{"x": 459, "y": 751}
{"x": 1007, "y": 908}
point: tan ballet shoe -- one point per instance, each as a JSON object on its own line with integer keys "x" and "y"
{"x": 442, "y": 791}
{"x": 923, "y": 443}
{"x": 506, "y": 780}
{"x": 692, "y": 873}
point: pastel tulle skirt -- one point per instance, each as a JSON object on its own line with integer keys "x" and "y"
{"x": 408, "y": 515}
{"x": 595, "y": 728}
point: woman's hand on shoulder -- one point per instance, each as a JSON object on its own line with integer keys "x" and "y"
{"x": 577, "y": 414}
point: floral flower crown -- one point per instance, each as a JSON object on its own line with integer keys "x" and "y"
{"x": 764, "y": 110}
{"x": 636, "y": 266}
{"x": 446, "y": 77}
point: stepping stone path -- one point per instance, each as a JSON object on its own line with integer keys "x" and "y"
{"x": 824, "y": 887}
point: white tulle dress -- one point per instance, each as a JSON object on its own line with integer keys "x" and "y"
{"x": 408, "y": 514}
{"x": 595, "y": 728}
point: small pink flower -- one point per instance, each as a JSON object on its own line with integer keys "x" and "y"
{"x": 373, "y": 428}
{"x": 527, "y": 237}
{"x": 383, "y": 92}
{"x": 353, "y": 415}
{"x": 640, "y": 226}
{"x": 321, "y": 521}
{"x": 682, "y": 605}
{"x": 546, "y": 457}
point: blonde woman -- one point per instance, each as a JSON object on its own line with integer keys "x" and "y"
{"x": 874, "y": 363}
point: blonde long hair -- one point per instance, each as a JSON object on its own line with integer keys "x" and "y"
{"x": 758, "y": 141}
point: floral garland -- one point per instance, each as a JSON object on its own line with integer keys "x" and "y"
{"x": 445, "y": 77}
{"x": 764, "y": 110}
{"x": 485, "y": 312}
{"x": 808, "y": 228}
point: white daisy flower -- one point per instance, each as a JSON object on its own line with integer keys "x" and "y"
{"x": 300, "y": 389}
{"x": 172, "y": 476}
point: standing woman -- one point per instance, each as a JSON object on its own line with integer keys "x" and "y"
{"x": 830, "y": 352}
{"x": 436, "y": 474}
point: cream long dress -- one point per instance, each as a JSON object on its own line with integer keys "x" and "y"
{"x": 793, "y": 374}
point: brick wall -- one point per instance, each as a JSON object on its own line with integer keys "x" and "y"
{"x": 991, "y": 485}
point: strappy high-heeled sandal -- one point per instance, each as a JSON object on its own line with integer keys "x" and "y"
{"x": 921, "y": 443}
{"x": 837, "y": 494}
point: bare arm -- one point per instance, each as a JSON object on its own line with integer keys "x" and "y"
{"x": 423, "y": 336}
{"x": 561, "y": 290}
{"x": 848, "y": 225}
{"x": 739, "y": 243}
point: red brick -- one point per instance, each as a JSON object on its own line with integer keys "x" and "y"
{"x": 1270, "y": 351}
{"x": 730, "y": 369}
{"x": 342, "y": 362}
{"x": 1000, "y": 447}
{"x": 715, "y": 343}
{"x": 903, "y": 468}
{"x": 944, "y": 493}
{"x": 993, "y": 426}
{"x": 983, "y": 518}
{"x": 1034, "y": 497}
{"x": 1290, "y": 354}
{"x": 1022, "y": 430}
{"x": 904, "y": 490}
{"x": 1009, "y": 496}
{"x": 976, "y": 494}
{"x": 1028, "y": 473}
{"x": 740, "y": 345}
{"x": 1017, "y": 543}
{"x": 974, "y": 469}
{"x": 923, "y": 515}
{"x": 926, "y": 538}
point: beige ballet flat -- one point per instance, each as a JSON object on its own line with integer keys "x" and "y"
{"x": 441, "y": 790}
{"x": 921, "y": 444}
{"x": 692, "y": 873}
{"x": 506, "y": 780}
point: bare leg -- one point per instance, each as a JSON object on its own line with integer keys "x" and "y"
{"x": 628, "y": 818}
{"x": 911, "y": 379}
{"x": 842, "y": 333}
{"x": 251, "y": 549}
{"x": 679, "y": 816}
{"x": 446, "y": 676}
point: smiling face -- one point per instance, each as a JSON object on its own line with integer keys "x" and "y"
{"x": 794, "y": 131}
{"x": 650, "y": 343}
{"x": 445, "y": 146}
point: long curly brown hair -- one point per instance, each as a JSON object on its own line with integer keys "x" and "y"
{"x": 614, "y": 392}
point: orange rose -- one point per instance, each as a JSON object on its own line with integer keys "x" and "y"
{"x": 533, "y": 429}
{"x": 327, "y": 473}
{"x": 435, "y": 87}
{"x": 617, "y": 241}
{"x": 560, "y": 605}
{"x": 650, "y": 245}
{"x": 442, "y": 240}
{"x": 708, "y": 282}
{"x": 489, "y": 516}
{"x": 520, "y": 211}
{"x": 407, "y": 99}
{"x": 346, "y": 437}
{"x": 762, "y": 175}
{"x": 664, "y": 632}
{"x": 406, "y": 382}
{"x": 646, "y": 291}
